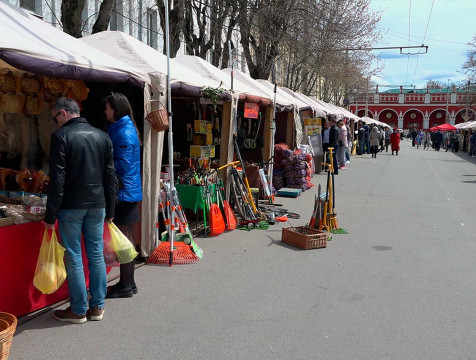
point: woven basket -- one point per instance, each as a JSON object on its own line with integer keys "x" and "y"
{"x": 10, "y": 220}
{"x": 304, "y": 237}
{"x": 33, "y": 217}
{"x": 8, "y": 325}
{"x": 158, "y": 119}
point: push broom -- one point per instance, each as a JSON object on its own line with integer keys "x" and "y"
{"x": 167, "y": 252}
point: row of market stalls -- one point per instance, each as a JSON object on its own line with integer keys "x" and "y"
{"x": 39, "y": 63}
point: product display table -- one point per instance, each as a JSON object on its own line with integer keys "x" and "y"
{"x": 19, "y": 248}
{"x": 193, "y": 197}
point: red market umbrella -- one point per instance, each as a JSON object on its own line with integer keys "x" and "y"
{"x": 446, "y": 127}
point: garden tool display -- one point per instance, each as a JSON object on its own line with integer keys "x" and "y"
{"x": 215, "y": 217}
{"x": 168, "y": 252}
{"x": 230, "y": 218}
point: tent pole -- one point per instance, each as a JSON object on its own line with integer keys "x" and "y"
{"x": 273, "y": 128}
{"x": 170, "y": 135}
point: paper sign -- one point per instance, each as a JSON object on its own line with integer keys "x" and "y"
{"x": 251, "y": 110}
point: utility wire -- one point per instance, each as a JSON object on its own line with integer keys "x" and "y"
{"x": 409, "y": 22}
{"x": 427, "y": 24}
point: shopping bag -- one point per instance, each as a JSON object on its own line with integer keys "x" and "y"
{"x": 50, "y": 271}
{"x": 110, "y": 257}
{"x": 123, "y": 248}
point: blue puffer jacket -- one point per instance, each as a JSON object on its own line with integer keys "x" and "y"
{"x": 126, "y": 158}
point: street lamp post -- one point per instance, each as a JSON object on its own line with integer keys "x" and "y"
{"x": 447, "y": 115}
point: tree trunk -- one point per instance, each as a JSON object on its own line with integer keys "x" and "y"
{"x": 71, "y": 11}
{"x": 104, "y": 16}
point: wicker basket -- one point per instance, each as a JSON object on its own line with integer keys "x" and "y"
{"x": 9, "y": 220}
{"x": 8, "y": 325}
{"x": 158, "y": 119}
{"x": 304, "y": 237}
{"x": 33, "y": 217}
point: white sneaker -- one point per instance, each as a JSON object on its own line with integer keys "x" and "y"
{"x": 347, "y": 162}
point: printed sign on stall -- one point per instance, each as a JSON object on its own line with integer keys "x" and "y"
{"x": 251, "y": 110}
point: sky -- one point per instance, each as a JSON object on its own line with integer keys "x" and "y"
{"x": 449, "y": 26}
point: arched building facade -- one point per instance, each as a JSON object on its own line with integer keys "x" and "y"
{"x": 420, "y": 109}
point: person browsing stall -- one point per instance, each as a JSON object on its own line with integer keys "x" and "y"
{"x": 125, "y": 140}
{"x": 81, "y": 196}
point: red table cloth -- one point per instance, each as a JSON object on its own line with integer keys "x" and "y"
{"x": 19, "y": 248}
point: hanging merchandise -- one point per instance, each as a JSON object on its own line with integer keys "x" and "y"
{"x": 292, "y": 169}
{"x": 215, "y": 217}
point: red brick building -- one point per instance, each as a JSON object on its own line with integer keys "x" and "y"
{"x": 420, "y": 108}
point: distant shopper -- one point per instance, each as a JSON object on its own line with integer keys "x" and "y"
{"x": 395, "y": 141}
{"x": 360, "y": 137}
{"x": 325, "y": 136}
{"x": 81, "y": 196}
{"x": 438, "y": 139}
{"x": 426, "y": 140}
{"x": 374, "y": 140}
{"x": 472, "y": 144}
{"x": 413, "y": 135}
{"x": 333, "y": 141}
{"x": 388, "y": 132}
{"x": 456, "y": 141}
{"x": 343, "y": 144}
{"x": 366, "y": 138}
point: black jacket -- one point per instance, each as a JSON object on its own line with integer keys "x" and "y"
{"x": 333, "y": 135}
{"x": 82, "y": 174}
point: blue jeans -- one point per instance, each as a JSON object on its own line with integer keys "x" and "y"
{"x": 91, "y": 223}
{"x": 367, "y": 145}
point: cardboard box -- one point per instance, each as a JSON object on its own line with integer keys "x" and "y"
{"x": 209, "y": 128}
{"x": 200, "y": 126}
{"x": 209, "y": 140}
{"x": 202, "y": 151}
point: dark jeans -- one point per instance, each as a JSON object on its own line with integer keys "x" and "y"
{"x": 361, "y": 147}
{"x": 367, "y": 146}
{"x": 374, "y": 150}
{"x": 437, "y": 145}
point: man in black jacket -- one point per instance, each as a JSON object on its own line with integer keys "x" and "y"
{"x": 81, "y": 196}
{"x": 333, "y": 135}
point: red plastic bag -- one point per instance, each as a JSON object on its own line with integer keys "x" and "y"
{"x": 110, "y": 257}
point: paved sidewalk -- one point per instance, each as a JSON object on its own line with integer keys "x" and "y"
{"x": 400, "y": 285}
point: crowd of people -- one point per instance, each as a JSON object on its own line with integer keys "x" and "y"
{"x": 372, "y": 139}
{"x": 447, "y": 140}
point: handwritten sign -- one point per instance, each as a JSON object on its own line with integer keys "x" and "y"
{"x": 251, "y": 110}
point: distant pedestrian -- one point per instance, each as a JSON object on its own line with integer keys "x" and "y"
{"x": 413, "y": 135}
{"x": 426, "y": 140}
{"x": 361, "y": 138}
{"x": 395, "y": 141}
{"x": 456, "y": 141}
{"x": 333, "y": 142}
{"x": 388, "y": 132}
{"x": 374, "y": 140}
{"x": 438, "y": 139}
{"x": 472, "y": 144}
{"x": 342, "y": 141}
{"x": 366, "y": 138}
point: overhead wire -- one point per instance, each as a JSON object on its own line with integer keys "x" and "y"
{"x": 409, "y": 32}
{"x": 424, "y": 36}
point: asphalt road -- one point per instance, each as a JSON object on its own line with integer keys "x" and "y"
{"x": 400, "y": 285}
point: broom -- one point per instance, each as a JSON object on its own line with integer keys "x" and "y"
{"x": 166, "y": 252}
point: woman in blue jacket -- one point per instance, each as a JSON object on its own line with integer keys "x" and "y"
{"x": 126, "y": 144}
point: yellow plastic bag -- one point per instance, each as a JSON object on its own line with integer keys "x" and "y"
{"x": 50, "y": 271}
{"x": 123, "y": 248}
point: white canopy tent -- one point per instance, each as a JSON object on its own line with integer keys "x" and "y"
{"x": 318, "y": 110}
{"x": 33, "y": 45}
{"x": 183, "y": 80}
{"x": 30, "y": 44}
{"x": 248, "y": 92}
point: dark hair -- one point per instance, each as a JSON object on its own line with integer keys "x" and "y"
{"x": 67, "y": 104}
{"x": 121, "y": 106}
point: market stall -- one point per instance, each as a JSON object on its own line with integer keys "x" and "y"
{"x": 38, "y": 64}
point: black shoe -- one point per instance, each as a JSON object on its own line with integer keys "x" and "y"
{"x": 119, "y": 291}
